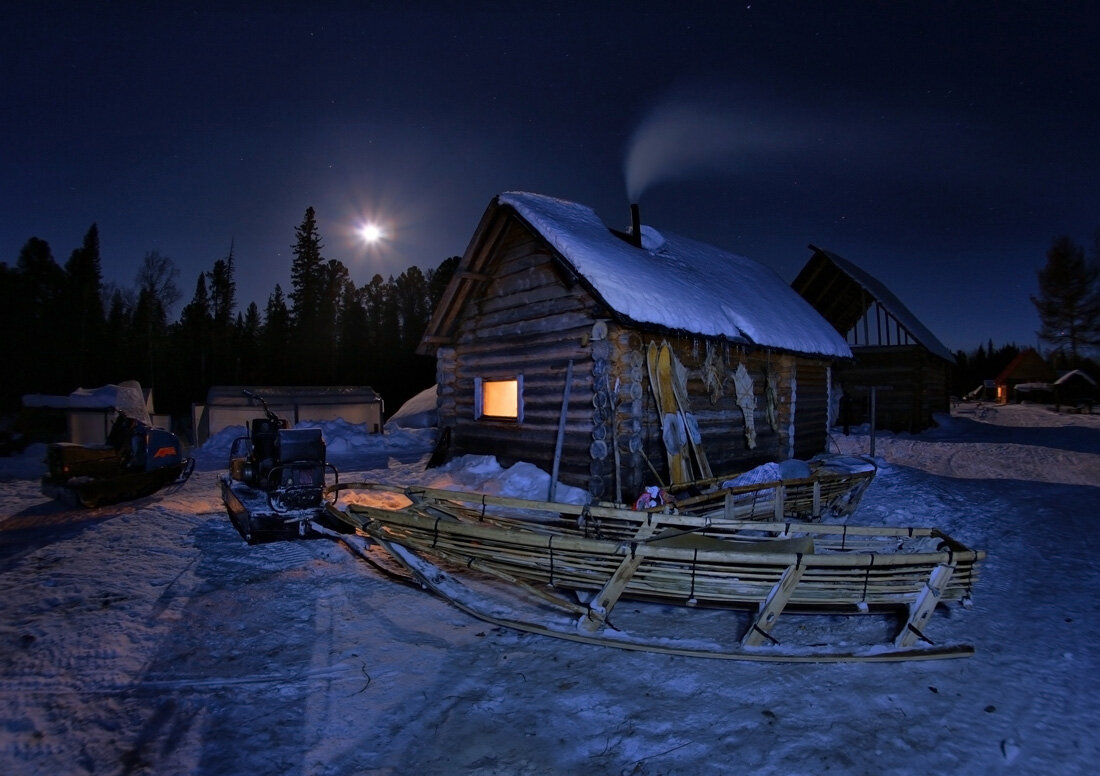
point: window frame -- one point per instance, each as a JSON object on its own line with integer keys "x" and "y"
{"x": 479, "y": 398}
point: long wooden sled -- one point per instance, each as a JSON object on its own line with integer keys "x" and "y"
{"x": 547, "y": 568}
{"x": 834, "y": 488}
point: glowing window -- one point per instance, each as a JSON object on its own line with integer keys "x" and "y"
{"x": 499, "y": 399}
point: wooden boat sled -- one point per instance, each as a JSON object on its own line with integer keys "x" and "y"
{"x": 831, "y": 487}
{"x": 547, "y": 568}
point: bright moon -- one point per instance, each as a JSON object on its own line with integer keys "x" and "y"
{"x": 370, "y": 233}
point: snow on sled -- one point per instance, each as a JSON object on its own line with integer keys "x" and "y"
{"x": 137, "y": 460}
{"x": 779, "y": 591}
{"x": 276, "y": 484}
{"x": 825, "y": 486}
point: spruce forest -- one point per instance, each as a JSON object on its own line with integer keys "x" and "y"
{"x": 68, "y": 329}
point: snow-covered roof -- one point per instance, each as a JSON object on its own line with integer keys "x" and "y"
{"x": 1075, "y": 374}
{"x": 127, "y": 397}
{"x": 893, "y": 306}
{"x": 233, "y": 395}
{"x": 678, "y": 283}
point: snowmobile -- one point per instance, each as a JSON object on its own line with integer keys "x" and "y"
{"x": 276, "y": 483}
{"x": 137, "y": 460}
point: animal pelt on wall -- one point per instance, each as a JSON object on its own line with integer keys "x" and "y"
{"x": 714, "y": 372}
{"x": 771, "y": 396}
{"x": 746, "y": 400}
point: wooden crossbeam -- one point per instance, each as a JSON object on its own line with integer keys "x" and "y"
{"x": 604, "y": 601}
{"x": 761, "y": 627}
{"x": 920, "y": 611}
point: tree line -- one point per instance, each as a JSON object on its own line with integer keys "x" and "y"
{"x": 67, "y": 328}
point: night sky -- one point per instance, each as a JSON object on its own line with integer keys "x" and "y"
{"x": 941, "y": 146}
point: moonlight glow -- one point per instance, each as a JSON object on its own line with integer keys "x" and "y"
{"x": 370, "y": 233}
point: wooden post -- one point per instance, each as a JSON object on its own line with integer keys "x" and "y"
{"x": 613, "y": 401}
{"x": 874, "y": 389}
{"x": 561, "y": 430}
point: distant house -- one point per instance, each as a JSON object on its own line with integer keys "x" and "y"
{"x": 545, "y": 289}
{"x": 1026, "y": 375}
{"x": 893, "y": 351}
{"x": 1076, "y": 389}
{"x": 229, "y": 406}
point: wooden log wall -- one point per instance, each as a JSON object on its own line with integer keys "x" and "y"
{"x": 811, "y": 417}
{"x": 919, "y": 386}
{"x": 709, "y": 371}
{"x": 527, "y": 320}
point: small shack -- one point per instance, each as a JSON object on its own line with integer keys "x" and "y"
{"x": 1076, "y": 389}
{"x": 89, "y": 413}
{"x": 1029, "y": 370}
{"x": 893, "y": 351}
{"x": 542, "y": 339}
{"x": 228, "y": 406}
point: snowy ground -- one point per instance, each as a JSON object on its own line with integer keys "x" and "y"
{"x": 148, "y": 638}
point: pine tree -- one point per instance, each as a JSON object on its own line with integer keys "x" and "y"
{"x": 353, "y": 341}
{"x": 223, "y": 291}
{"x": 223, "y": 301}
{"x": 307, "y": 292}
{"x": 122, "y": 345}
{"x": 84, "y": 309}
{"x": 1068, "y": 301}
{"x": 157, "y": 294}
{"x": 306, "y": 271}
{"x": 195, "y": 332}
{"x": 335, "y": 279}
{"x": 249, "y": 332}
{"x": 42, "y": 360}
{"x": 275, "y": 340}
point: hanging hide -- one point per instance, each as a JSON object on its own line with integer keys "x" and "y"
{"x": 713, "y": 369}
{"x": 771, "y": 399}
{"x": 742, "y": 383}
{"x": 674, "y": 433}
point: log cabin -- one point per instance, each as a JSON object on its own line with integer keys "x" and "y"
{"x": 1028, "y": 368}
{"x": 893, "y": 352}
{"x": 542, "y": 336}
